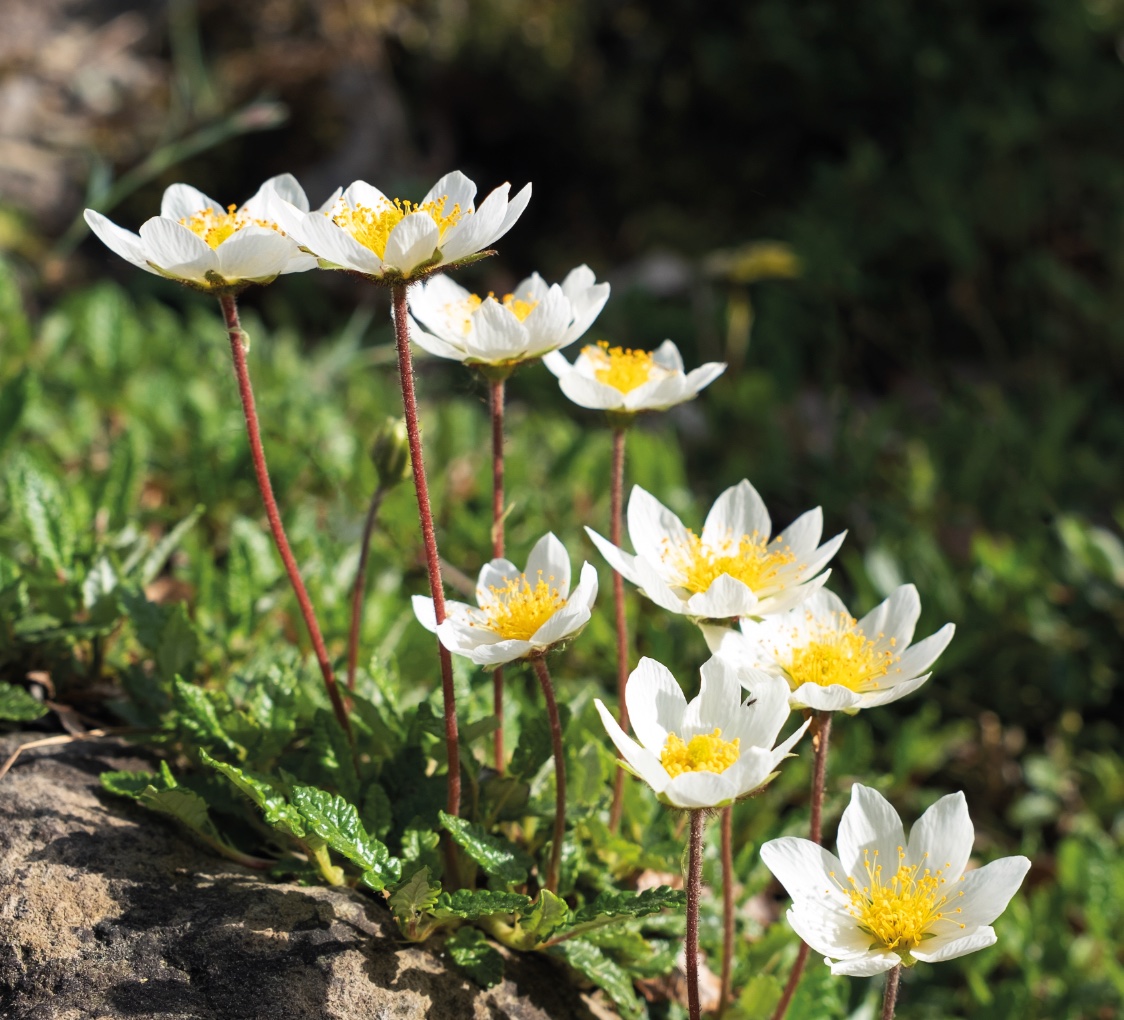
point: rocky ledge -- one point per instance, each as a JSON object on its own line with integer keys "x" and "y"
{"x": 108, "y": 912}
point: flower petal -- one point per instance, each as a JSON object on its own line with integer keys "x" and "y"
{"x": 255, "y": 253}
{"x": 423, "y": 610}
{"x": 832, "y": 698}
{"x": 919, "y": 657}
{"x": 941, "y": 839}
{"x": 700, "y": 790}
{"x": 646, "y": 764}
{"x": 284, "y": 187}
{"x": 119, "y": 240}
{"x": 869, "y": 824}
{"x": 411, "y": 243}
{"x": 726, "y": 598}
{"x": 597, "y": 396}
{"x": 181, "y": 201}
{"x": 652, "y": 527}
{"x": 940, "y": 949}
{"x": 170, "y": 246}
{"x": 805, "y": 870}
{"x": 549, "y": 559}
{"x": 456, "y": 189}
{"x": 656, "y": 704}
{"x": 866, "y": 966}
{"x": 325, "y": 238}
{"x": 989, "y": 889}
{"x": 667, "y": 356}
{"x": 739, "y": 511}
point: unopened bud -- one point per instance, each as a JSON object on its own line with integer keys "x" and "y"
{"x": 391, "y": 453}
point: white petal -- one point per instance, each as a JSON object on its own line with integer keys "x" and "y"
{"x": 475, "y": 232}
{"x": 718, "y": 702}
{"x": 921, "y": 656}
{"x": 550, "y": 559}
{"x": 586, "y": 307}
{"x": 641, "y": 759}
{"x": 989, "y": 889}
{"x": 759, "y": 723}
{"x": 497, "y": 335}
{"x": 546, "y": 325}
{"x": 726, "y": 598}
{"x": 869, "y": 823}
{"x": 792, "y": 597}
{"x": 565, "y": 621}
{"x": 944, "y": 948}
{"x": 805, "y": 870}
{"x": 597, "y": 396}
{"x": 360, "y": 193}
{"x": 435, "y": 345}
{"x": 181, "y": 201}
{"x": 803, "y": 534}
{"x": 513, "y": 211}
{"x": 254, "y": 253}
{"x": 423, "y": 610}
{"x": 285, "y": 187}
{"x": 586, "y": 591}
{"x": 866, "y": 966}
{"x": 431, "y": 301}
{"x": 830, "y": 933}
{"x": 739, "y": 511}
{"x": 411, "y": 243}
{"x": 456, "y": 189}
{"x": 557, "y": 365}
{"x": 700, "y": 790}
{"x": 701, "y": 377}
{"x": 832, "y": 698}
{"x": 890, "y": 692}
{"x": 894, "y": 618}
{"x": 331, "y": 242}
{"x": 623, "y": 563}
{"x": 175, "y": 249}
{"x": 497, "y": 573}
{"x": 119, "y": 240}
{"x": 658, "y": 394}
{"x": 667, "y": 356}
{"x": 656, "y": 588}
{"x": 656, "y": 705}
{"x": 941, "y": 839}
{"x": 652, "y": 527}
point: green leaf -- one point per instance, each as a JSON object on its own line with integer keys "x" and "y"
{"x": 414, "y": 897}
{"x": 760, "y": 996}
{"x": 470, "y": 904}
{"x": 13, "y": 399}
{"x": 547, "y": 915}
{"x": 154, "y": 562}
{"x": 98, "y": 588}
{"x": 198, "y": 717}
{"x": 275, "y": 808}
{"x": 500, "y": 859}
{"x": 611, "y": 904}
{"x": 419, "y": 846}
{"x": 587, "y": 959}
{"x": 128, "y": 784}
{"x": 472, "y": 953}
{"x": 331, "y": 749}
{"x": 189, "y": 809}
{"x": 336, "y": 821}
{"x": 44, "y": 514}
{"x": 179, "y": 644}
{"x": 534, "y": 747}
{"x": 16, "y": 705}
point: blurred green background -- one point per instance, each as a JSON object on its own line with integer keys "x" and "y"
{"x": 900, "y": 222}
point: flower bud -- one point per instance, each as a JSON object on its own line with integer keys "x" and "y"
{"x": 390, "y": 453}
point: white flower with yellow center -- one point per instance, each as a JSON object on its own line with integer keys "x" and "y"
{"x": 397, "y": 240}
{"x": 625, "y": 381}
{"x": 211, "y": 247}
{"x": 712, "y": 751}
{"x": 500, "y": 333}
{"x": 737, "y": 567}
{"x": 832, "y": 661}
{"x": 519, "y": 613}
{"x": 886, "y": 900}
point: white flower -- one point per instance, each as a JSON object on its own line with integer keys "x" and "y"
{"x": 395, "y": 240}
{"x": 521, "y": 613}
{"x": 712, "y": 751}
{"x": 198, "y": 242}
{"x": 526, "y": 324}
{"x": 885, "y": 901}
{"x": 733, "y": 569}
{"x": 832, "y": 661}
{"x": 625, "y": 381}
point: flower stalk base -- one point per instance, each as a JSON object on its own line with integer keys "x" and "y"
{"x": 615, "y": 512}
{"x": 694, "y": 891}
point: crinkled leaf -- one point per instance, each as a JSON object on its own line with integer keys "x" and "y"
{"x": 38, "y": 500}
{"x": 336, "y": 821}
{"x": 128, "y": 784}
{"x": 419, "y": 846}
{"x": 196, "y": 714}
{"x": 500, "y": 859}
{"x": 547, "y": 915}
{"x": 472, "y": 954}
{"x": 534, "y": 747}
{"x": 604, "y": 972}
{"x": 179, "y": 644}
{"x": 385, "y": 728}
{"x": 275, "y": 808}
{"x": 414, "y": 897}
{"x": 331, "y": 750}
{"x": 17, "y": 705}
{"x": 470, "y": 904}
{"x": 611, "y": 903}
{"x": 98, "y": 589}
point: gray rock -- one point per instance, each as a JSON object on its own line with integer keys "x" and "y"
{"x": 108, "y": 912}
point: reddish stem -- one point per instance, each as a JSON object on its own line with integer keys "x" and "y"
{"x": 694, "y": 891}
{"x": 539, "y": 663}
{"x": 820, "y": 736}
{"x": 496, "y": 395}
{"x": 615, "y": 513}
{"x": 727, "y": 908}
{"x": 360, "y": 585}
{"x": 890, "y": 998}
{"x": 429, "y": 540}
{"x": 257, "y": 453}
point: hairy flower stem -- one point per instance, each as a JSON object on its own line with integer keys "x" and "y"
{"x": 821, "y": 734}
{"x": 616, "y": 500}
{"x": 257, "y": 453}
{"x": 890, "y": 997}
{"x": 727, "y": 908}
{"x": 551, "y": 884}
{"x": 496, "y": 394}
{"x": 429, "y": 540}
{"x": 694, "y": 890}
{"x": 361, "y": 584}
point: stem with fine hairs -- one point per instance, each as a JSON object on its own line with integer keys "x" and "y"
{"x": 615, "y": 513}
{"x": 551, "y": 884}
{"x": 496, "y": 399}
{"x": 727, "y": 908}
{"x": 890, "y": 997}
{"x": 257, "y": 453}
{"x": 429, "y": 540}
{"x": 821, "y": 734}
{"x": 694, "y": 891}
{"x": 361, "y": 584}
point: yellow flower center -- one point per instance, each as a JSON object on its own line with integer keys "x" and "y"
{"x": 620, "y": 367}
{"x": 707, "y": 752}
{"x": 747, "y": 558}
{"x": 841, "y": 654}
{"x": 899, "y": 914}
{"x": 519, "y": 608}
{"x": 372, "y": 227}
{"x": 215, "y": 227}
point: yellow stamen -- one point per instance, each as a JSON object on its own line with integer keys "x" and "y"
{"x": 519, "y": 608}
{"x": 841, "y": 654}
{"x": 751, "y": 559}
{"x": 899, "y": 914}
{"x": 215, "y": 227}
{"x": 471, "y": 304}
{"x": 372, "y": 227}
{"x": 704, "y": 753}
{"x": 620, "y": 367}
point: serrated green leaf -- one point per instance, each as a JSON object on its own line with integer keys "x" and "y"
{"x": 98, "y": 587}
{"x": 472, "y": 953}
{"x": 153, "y": 563}
{"x": 414, "y": 897}
{"x": 336, "y": 821}
{"x": 612, "y": 903}
{"x": 43, "y": 512}
{"x": 500, "y": 859}
{"x": 198, "y": 717}
{"x": 470, "y": 904}
{"x": 275, "y": 808}
{"x": 419, "y": 846}
{"x": 604, "y": 972}
{"x": 128, "y": 784}
{"x": 13, "y": 399}
{"x": 188, "y": 808}
{"x": 16, "y": 705}
{"x": 332, "y": 751}
{"x": 385, "y": 729}
{"x": 534, "y": 746}
{"x": 179, "y": 644}
{"x": 547, "y": 915}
